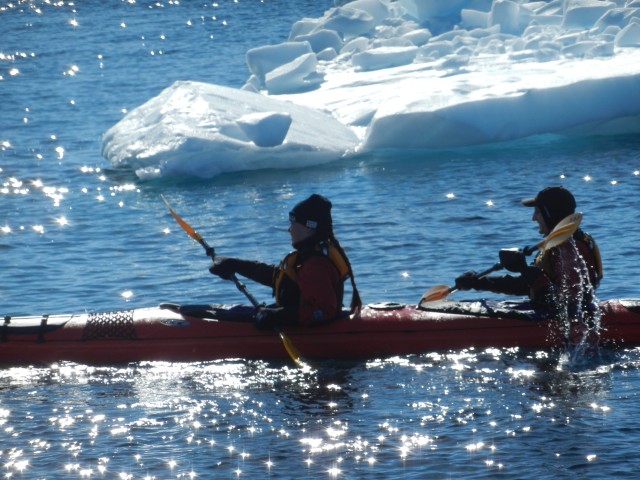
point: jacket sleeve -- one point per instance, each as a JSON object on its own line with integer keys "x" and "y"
{"x": 532, "y": 282}
{"x": 256, "y": 271}
{"x": 507, "y": 284}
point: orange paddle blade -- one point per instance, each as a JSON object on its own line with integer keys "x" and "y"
{"x": 437, "y": 292}
{"x": 185, "y": 226}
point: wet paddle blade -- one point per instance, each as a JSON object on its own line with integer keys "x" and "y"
{"x": 293, "y": 351}
{"x": 185, "y": 226}
{"x": 437, "y": 292}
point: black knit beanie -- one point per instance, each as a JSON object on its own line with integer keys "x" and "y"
{"x": 314, "y": 212}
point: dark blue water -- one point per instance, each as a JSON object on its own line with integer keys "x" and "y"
{"x": 76, "y": 236}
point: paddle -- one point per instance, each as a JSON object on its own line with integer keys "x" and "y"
{"x": 210, "y": 251}
{"x": 560, "y": 234}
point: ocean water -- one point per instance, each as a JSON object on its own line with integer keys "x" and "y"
{"x": 77, "y": 236}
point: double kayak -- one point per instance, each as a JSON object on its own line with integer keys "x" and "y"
{"x": 172, "y": 332}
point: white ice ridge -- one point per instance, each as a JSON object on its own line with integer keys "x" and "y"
{"x": 414, "y": 74}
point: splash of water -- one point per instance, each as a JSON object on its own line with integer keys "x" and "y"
{"x": 577, "y": 311}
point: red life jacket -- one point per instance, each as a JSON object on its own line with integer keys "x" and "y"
{"x": 285, "y": 286}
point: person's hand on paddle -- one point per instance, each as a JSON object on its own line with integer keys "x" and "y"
{"x": 513, "y": 259}
{"x": 467, "y": 280}
{"x": 224, "y": 267}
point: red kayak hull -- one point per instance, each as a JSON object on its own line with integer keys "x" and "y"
{"x": 148, "y": 334}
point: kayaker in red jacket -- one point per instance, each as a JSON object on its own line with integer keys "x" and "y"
{"x": 562, "y": 280}
{"x": 308, "y": 285}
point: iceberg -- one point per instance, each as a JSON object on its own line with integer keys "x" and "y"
{"x": 200, "y": 129}
{"x": 405, "y": 74}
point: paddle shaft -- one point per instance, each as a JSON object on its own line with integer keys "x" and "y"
{"x": 209, "y": 250}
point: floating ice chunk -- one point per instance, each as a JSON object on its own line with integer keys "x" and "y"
{"x": 326, "y": 55}
{"x": 481, "y": 33}
{"x": 262, "y": 60}
{"x": 423, "y": 11}
{"x": 349, "y": 22}
{"x": 265, "y": 129}
{"x": 589, "y": 49}
{"x": 550, "y": 8}
{"x": 434, "y": 50}
{"x": 511, "y": 16}
{"x": 391, "y": 42}
{"x": 418, "y": 37}
{"x": 629, "y": 36}
{"x": 583, "y": 14}
{"x": 395, "y": 27}
{"x": 321, "y": 40}
{"x": 303, "y": 27}
{"x": 300, "y": 75}
{"x": 474, "y": 18}
{"x": 359, "y": 44}
{"x": 618, "y": 17}
{"x": 450, "y": 36}
{"x": 384, "y": 57}
{"x": 200, "y": 129}
{"x": 378, "y": 10}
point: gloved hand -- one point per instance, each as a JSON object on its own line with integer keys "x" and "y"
{"x": 467, "y": 280}
{"x": 513, "y": 260}
{"x": 224, "y": 267}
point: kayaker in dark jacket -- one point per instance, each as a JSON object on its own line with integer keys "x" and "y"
{"x": 561, "y": 280}
{"x": 308, "y": 285}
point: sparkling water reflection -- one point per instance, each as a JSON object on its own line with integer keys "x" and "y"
{"x": 467, "y": 414}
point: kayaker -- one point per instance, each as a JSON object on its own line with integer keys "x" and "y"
{"x": 308, "y": 285}
{"x": 563, "y": 279}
